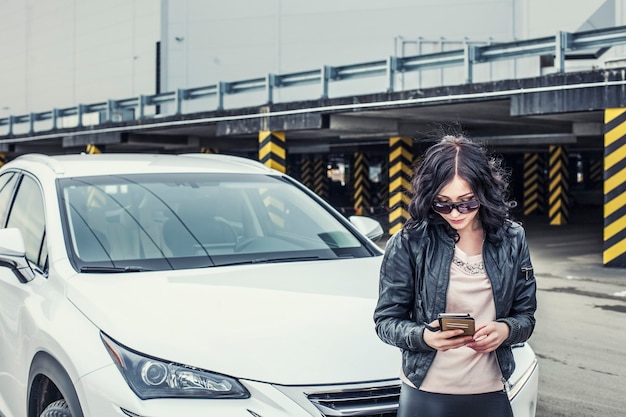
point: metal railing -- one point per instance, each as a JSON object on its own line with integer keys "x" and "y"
{"x": 468, "y": 57}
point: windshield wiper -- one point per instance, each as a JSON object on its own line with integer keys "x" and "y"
{"x": 112, "y": 269}
{"x": 274, "y": 260}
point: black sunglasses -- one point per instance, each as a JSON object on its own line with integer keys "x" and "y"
{"x": 462, "y": 206}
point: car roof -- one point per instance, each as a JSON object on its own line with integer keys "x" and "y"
{"x": 75, "y": 165}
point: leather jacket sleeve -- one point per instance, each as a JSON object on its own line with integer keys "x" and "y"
{"x": 394, "y": 312}
{"x": 521, "y": 316}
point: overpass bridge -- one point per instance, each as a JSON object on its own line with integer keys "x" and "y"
{"x": 561, "y": 131}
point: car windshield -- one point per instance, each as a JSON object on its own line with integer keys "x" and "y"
{"x": 147, "y": 222}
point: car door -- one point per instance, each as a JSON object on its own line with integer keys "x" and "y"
{"x": 22, "y": 207}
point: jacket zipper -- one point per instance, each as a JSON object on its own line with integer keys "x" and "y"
{"x": 505, "y": 382}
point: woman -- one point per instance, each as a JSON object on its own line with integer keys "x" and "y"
{"x": 458, "y": 253}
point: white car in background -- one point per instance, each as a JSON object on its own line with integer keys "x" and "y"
{"x": 189, "y": 285}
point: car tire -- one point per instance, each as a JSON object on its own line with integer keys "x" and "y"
{"x": 46, "y": 367}
{"x": 57, "y": 409}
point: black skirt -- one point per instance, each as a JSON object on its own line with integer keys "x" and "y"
{"x": 416, "y": 403}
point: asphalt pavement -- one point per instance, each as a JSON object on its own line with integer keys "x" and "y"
{"x": 581, "y": 303}
{"x": 573, "y": 251}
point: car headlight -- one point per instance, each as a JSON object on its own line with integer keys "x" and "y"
{"x": 151, "y": 377}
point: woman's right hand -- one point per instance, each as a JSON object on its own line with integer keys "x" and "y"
{"x": 444, "y": 340}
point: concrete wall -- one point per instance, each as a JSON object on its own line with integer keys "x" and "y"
{"x": 206, "y": 41}
{"x": 58, "y": 53}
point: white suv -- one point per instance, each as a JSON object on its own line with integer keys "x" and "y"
{"x": 189, "y": 285}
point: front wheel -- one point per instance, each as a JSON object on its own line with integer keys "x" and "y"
{"x": 57, "y": 409}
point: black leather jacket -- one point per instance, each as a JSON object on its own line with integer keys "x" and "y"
{"x": 414, "y": 278}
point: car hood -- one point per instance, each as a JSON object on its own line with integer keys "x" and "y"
{"x": 292, "y": 323}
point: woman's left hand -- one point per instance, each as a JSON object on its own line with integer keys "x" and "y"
{"x": 489, "y": 336}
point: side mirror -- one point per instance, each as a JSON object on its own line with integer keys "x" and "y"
{"x": 368, "y": 226}
{"x": 13, "y": 254}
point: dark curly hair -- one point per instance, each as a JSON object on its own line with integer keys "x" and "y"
{"x": 457, "y": 155}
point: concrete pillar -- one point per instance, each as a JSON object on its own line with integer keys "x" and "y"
{"x": 534, "y": 184}
{"x": 272, "y": 151}
{"x": 400, "y": 171}
{"x": 614, "y": 254}
{"x": 209, "y": 150}
{"x": 306, "y": 172}
{"x": 558, "y": 177}
{"x": 361, "y": 190}
{"x": 320, "y": 178}
{"x": 596, "y": 173}
{"x": 93, "y": 149}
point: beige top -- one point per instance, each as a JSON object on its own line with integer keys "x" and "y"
{"x": 462, "y": 370}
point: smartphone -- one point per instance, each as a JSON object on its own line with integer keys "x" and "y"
{"x": 453, "y": 321}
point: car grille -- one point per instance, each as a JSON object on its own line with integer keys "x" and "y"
{"x": 381, "y": 401}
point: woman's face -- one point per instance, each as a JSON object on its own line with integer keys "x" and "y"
{"x": 456, "y": 191}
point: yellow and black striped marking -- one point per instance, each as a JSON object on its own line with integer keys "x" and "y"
{"x": 3, "y": 158}
{"x": 534, "y": 187}
{"x": 615, "y": 188}
{"x": 596, "y": 172}
{"x": 384, "y": 183}
{"x": 306, "y": 172}
{"x": 558, "y": 186}
{"x": 93, "y": 149}
{"x": 361, "y": 194}
{"x": 272, "y": 152}
{"x": 320, "y": 178}
{"x": 400, "y": 172}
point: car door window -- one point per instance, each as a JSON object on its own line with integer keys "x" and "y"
{"x": 7, "y": 184}
{"x": 27, "y": 214}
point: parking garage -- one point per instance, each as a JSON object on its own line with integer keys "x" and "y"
{"x": 562, "y": 135}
